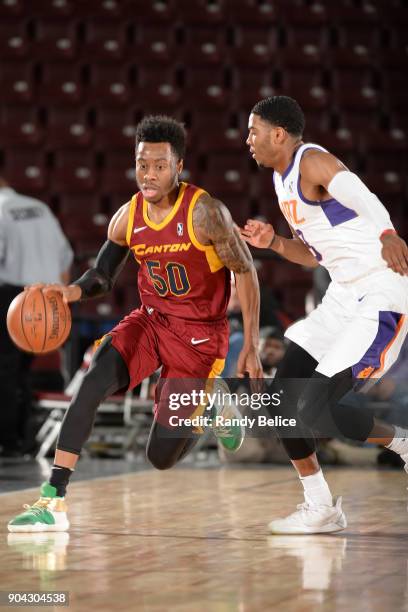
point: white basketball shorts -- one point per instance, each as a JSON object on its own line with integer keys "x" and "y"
{"x": 360, "y": 325}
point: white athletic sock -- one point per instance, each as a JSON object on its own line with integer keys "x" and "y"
{"x": 399, "y": 443}
{"x": 317, "y": 492}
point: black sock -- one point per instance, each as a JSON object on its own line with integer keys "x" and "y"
{"x": 60, "y": 478}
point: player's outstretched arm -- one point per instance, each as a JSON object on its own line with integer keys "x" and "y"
{"x": 323, "y": 169}
{"x": 263, "y": 236}
{"x": 99, "y": 280}
{"x": 213, "y": 224}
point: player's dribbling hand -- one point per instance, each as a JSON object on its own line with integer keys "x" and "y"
{"x": 258, "y": 233}
{"x": 70, "y": 293}
{"x": 395, "y": 253}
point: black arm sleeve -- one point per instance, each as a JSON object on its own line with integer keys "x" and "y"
{"x": 99, "y": 280}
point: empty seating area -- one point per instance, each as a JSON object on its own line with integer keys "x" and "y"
{"x": 76, "y": 76}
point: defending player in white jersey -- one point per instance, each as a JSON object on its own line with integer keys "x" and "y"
{"x": 358, "y": 330}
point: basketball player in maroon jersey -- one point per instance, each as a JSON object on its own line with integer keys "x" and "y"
{"x": 186, "y": 245}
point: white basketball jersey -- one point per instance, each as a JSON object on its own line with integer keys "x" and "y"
{"x": 347, "y": 245}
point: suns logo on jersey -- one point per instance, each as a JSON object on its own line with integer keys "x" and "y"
{"x": 289, "y": 209}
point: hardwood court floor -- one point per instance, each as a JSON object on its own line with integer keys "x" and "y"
{"x": 194, "y": 540}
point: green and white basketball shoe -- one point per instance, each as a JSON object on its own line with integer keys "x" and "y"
{"x": 227, "y": 423}
{"x": 49, "y": 513}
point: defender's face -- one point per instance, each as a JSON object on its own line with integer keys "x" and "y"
{"x": 263, "y": 140}
{"x": 157, "y": 170}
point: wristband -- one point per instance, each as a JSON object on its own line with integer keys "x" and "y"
{"x": 388, "y": 231}
{"x": 271, "y": 242}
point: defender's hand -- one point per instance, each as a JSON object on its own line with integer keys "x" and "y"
{"x": 395, "y": 253}
{"x": 258, "y": 233}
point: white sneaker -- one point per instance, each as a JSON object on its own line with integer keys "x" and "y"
{"x": 311, "y": 519}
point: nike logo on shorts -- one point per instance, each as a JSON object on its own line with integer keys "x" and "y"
{"x": 139, "y": 229}
{"x": 194, "y": 341}
{"x": 362, "y": 298}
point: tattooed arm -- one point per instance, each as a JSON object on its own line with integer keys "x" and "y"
{"x": 212, "y": 223}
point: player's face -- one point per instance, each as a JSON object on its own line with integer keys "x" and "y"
{"x": 264, "y": 141}
{"x": 157, "y": 170}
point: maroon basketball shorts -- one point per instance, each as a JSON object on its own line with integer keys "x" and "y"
{"x": 190, "y": 353}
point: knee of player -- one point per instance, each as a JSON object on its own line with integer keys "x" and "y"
{"x": 305, "y": 414}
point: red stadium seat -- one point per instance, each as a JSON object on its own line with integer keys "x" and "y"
{"x": 72, "y": 204}
{"x": 364, "y": 99}
{"x": 19, "y": 126}
{"x": 26, "y": 171}
{"x": 305, "y": 15}
{"x": 115, "y": 129}
{"x": 220, "y": 139}
{"x": 353, "y": 79}
{"x": 306, "y": 36}
{"x": 304, "y": 57}
{"x": 118, "y": 177}
{"x": 74, "y": 172}
{"x": 115, "y": 200}
{"x": 338, "y": 141}
{"x": 80, "y": 225}
{"x": 153, "y": 44}
{"x": 67, "y": 128}
{"x": 353, "y": 57}
{"x": 11, "y": 10}
{"x": 240, "y": 207}
{"x": 110, "y": 84}
{"x": 56, "y": 40}
{"x": 254, "y": 46}
{"x": 357, "y": 119}
{"x": 341, "y": 142}
{"x": 302, "y": 79}
{"x": 226, "y": 174}
{"x": 153, "y": 13}
{"x": 104, "y": 42}
{"x": 200, "y": 12}
{"x": 268, "y": 207}
{"x": 365, "y": 14}
{"x": 55, "y": 9}
{"x": 60, "y": 85}
{"x": 394, "y": 59}
{"x": 102, "y": 10}
{"x": 206, "y": 88}
{"x": 313, "y": 98}
{"x": 14, "y": 42}
{"x": 366, "y": 35}
{"x": 394, "y": 141}
{"x": 385, "y": 184}
{"x": 213, "y": 120}
{"x": 251, "y": 12}
{"x": 253, "y": 84}
{"x": 119, "y": 180}
{"x": 16, "y": 82}
{"x": 204, "y": 45}
{"x": 157, "y": 90}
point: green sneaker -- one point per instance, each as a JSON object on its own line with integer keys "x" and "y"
{"x": 227, "y": 423}
{"x": 49, "y": 513}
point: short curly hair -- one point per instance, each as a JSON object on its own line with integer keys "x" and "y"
{"x": 281, "y": 111}
{"x": 160, "y": 128}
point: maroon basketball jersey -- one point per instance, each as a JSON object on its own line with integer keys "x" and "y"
{"x": 178, "y": 275}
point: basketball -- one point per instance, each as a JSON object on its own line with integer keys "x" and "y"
{"x": 38, "y": 321}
